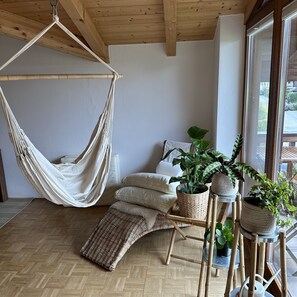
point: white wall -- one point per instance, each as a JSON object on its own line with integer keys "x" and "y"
{"x": 229, "y": 72}
{"x": 158, "y": 98}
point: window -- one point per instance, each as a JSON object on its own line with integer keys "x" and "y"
{"x": 270, "y": 124}
{"x": 259, "y": 49}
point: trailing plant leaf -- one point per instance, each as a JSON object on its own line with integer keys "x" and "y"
{"x": 276, "y": 197}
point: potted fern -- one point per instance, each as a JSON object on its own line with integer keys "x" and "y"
{"x": 226, "y": 172}
{"x": 269, "y": 204}
{"x": 192, "y": 193}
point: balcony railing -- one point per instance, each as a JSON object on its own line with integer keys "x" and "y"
{"x": 288, "y": 151}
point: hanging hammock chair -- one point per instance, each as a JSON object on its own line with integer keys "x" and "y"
{"x": 79, "y": 183}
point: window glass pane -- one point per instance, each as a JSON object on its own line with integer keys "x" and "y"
{"x": 287, "y": 135}
{"x": 257, "y": 97}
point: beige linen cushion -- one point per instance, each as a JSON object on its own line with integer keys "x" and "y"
{"x": 152, "y": 181}
{"x": 145, "y": 197}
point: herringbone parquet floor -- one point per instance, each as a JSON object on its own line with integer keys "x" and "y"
{"x": 39, "y": 257}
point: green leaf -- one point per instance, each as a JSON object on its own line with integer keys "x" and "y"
{"x": 219, "y": 246}
{"x": 176, "y": 161}
{"x": 237, "y": 173}
{"x": 236, "y": 148}
{"x": 196, "y": 132}
{"x": 230, "y": 244}
{"x": 228, "y": 224}
{"x": 219, "y": 226}
{"x": 168, "y": 153}
{"x": 249, "y": 171}
{"x": 174, "y": 179}
{"x": 221, "y": 240}
{"x": 211, "y": 169}
{"x": 231, "y": 175}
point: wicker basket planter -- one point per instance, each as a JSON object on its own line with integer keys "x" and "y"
{"x": 222, "y": 186}
{"x": 255, "y": 219}
{"x": 192, "y": 205}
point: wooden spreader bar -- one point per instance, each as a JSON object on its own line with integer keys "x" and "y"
{"x": 54, "y": 76}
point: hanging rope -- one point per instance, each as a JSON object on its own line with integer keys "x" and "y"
{"x": 57, "y": 22}
{"x": 54, "y": 4}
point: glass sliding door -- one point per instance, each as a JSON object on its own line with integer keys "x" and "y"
{"x": 257, "y": 95}
{"x": 287, "y": 133}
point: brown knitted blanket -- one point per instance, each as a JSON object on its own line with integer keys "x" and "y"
{"x": 114, "y": 235}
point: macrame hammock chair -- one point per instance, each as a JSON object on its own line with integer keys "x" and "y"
{"x": 79, "y": 183}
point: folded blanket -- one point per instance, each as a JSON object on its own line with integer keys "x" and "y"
{"x": 148, "y": 214}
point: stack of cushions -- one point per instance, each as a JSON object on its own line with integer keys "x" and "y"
{"x": 151, "y": 190}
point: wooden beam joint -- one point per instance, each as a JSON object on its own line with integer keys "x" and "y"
{"x": 170, "y": 11}
{"x": 81, "y": 18}
{"x": 23, "y": 28}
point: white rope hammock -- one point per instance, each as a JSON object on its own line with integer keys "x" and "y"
{"x": 81, "y": 182}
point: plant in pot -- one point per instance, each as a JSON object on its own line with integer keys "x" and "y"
{"x": 192, "y": 193}
{"x": 223, "y": 237}
{"x": 226, "y": 172}
{"x": 269, "y": 204}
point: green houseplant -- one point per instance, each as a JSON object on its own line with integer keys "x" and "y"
{"x": 192, "y": 163}
{"x": 269, "y": 203}
{"x": 223, "y": 237}
{"x": 224, "y": 169}
{"x": 192, "y": 193}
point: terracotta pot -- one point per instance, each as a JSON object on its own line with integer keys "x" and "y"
{"x": 256, "y": 219}
{"x": 221, "y": 185}
{"x": 192, "y": 205}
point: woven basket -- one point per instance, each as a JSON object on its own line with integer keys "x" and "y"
{"x": 256, "y": 219}
{"x": 192, "y": 205}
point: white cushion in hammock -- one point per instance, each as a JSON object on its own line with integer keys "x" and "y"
{"x": 68, "y": 159}
{"x": 152, "y": 181}
{"x": 113, "y": 181}
{"x": 145, "y": 197}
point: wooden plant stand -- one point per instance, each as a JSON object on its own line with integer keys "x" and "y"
{"x": 174, "y": 217}
{"x": 258, "y": 241}
{"x": 210, "y": 261}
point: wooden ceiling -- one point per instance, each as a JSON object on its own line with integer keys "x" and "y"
{"x": 100, "y": 23}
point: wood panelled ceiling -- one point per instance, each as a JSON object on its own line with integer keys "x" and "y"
{"x": 100, "y": 23}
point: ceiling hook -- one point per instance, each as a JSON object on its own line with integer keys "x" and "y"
{"x": 54, "y": 4}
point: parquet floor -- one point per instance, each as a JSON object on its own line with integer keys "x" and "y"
{"x": 39, "y": 257}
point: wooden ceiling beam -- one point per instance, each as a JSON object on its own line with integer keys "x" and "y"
{"x": 81, "y": 18}
{"x": 249, "y": 8}
{"x": 170, "y": 11}
{"x": 22, "y": 28}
